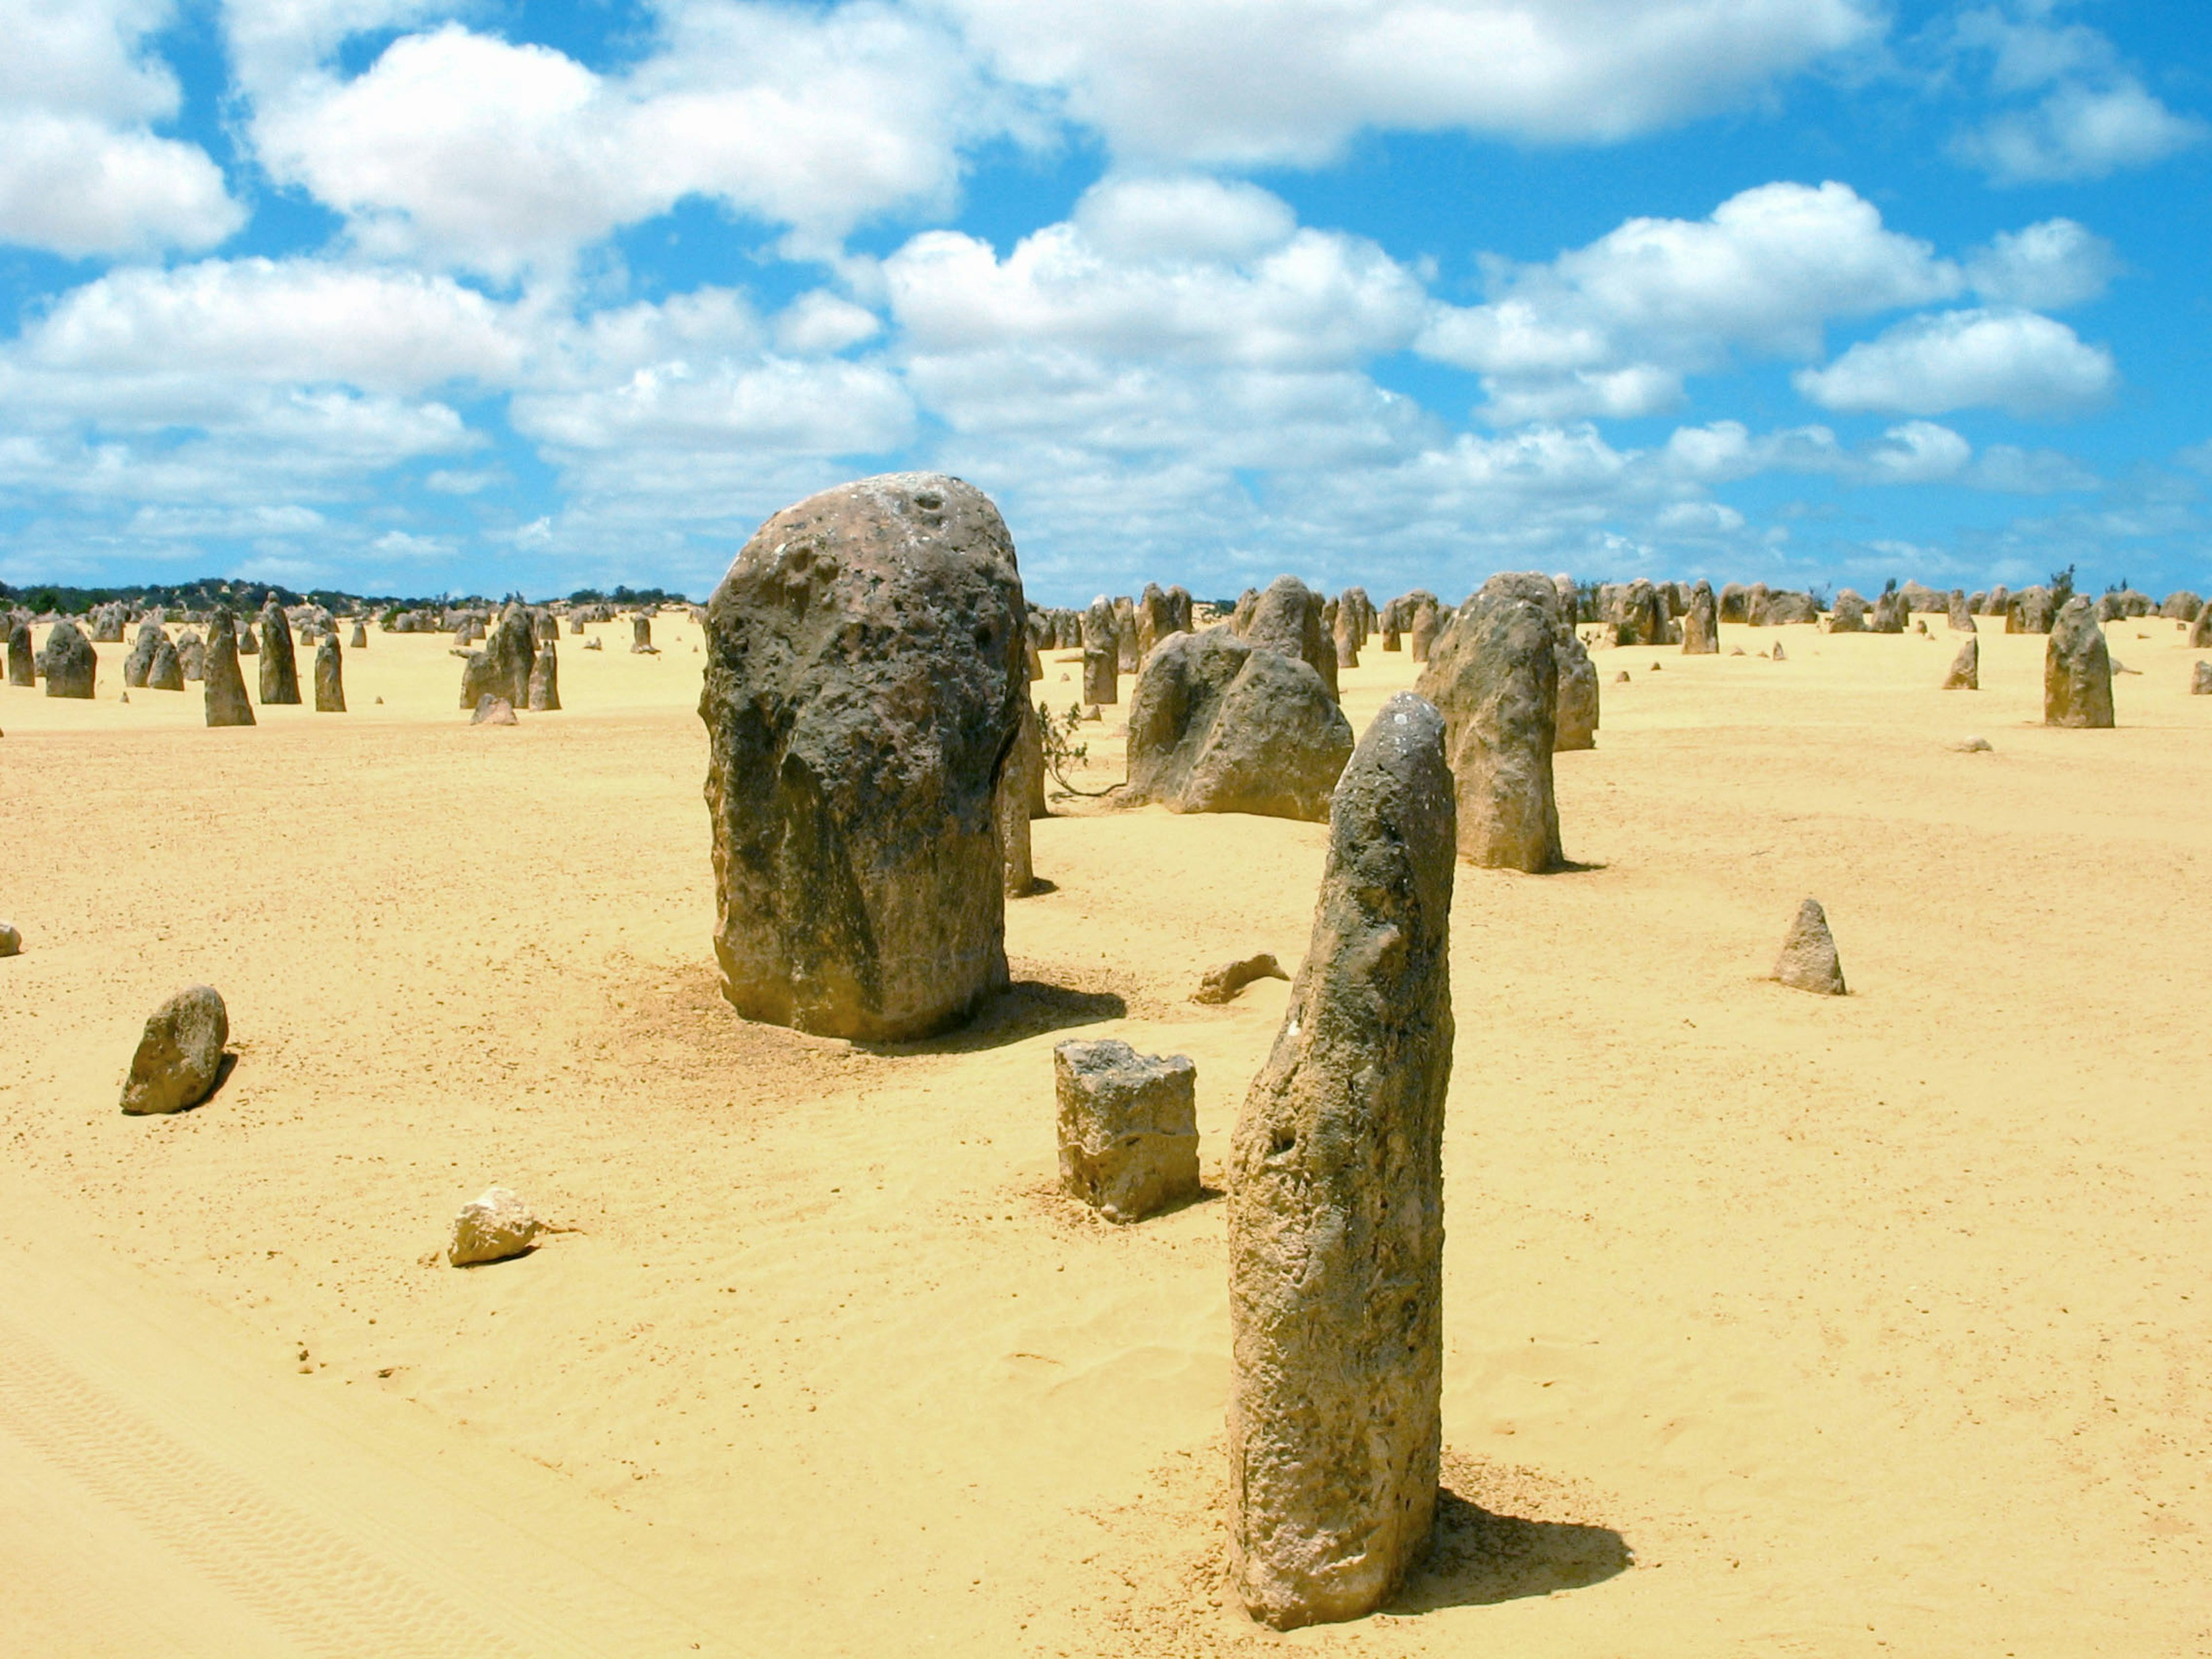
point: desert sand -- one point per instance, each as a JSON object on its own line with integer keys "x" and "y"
{"x": 1775, "y": 1323}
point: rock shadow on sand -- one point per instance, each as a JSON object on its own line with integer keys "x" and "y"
{"x": 1025, "y": 1009}
{"x": 1477, "y": 1558}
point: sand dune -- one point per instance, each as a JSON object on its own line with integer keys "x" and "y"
{"x": 1775, "y": 1323}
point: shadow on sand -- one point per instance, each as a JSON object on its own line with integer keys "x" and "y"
{"x": 1026, "y": 1008}
{"x": 1476, "y": 1557}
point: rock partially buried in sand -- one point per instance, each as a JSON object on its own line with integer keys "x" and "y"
{"x": 1336, "y": 1208}
{"x": 180, "y": 1053}
{"x": 1808, "y": 962}
{"x": 492, "y": 1228}
{"x": 2077, "y": 670}
{"x": 2200, "y": 680}
{"x": 1972, "y": 745}
{"x": 1218, "y": 724}
{"x": 864, "y": 686}
{"x": 1965, "y": 673}
{"x": 1222, "y": 983}
{"x": 493, "y": 711}
{"x": 1128, "y": 1128}
{"x": 11, "y": 942}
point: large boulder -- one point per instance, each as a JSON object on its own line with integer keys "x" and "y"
{"x": 1639, "y": 614}
{"x": 2031, "y": 611}
{"x": 1849, "y": 616}
{"x": 2077, "y": 670}
{"x": 864, "y": 685}
{"x": 1496, "y": 681}
{"x": 224, "y": 690}
{"x": 1786, "y": 607}
{"x": 1218, "y": 723}
{"x": 70, "y": 663}
{"x": 280, "y": 669}
{"x": 2181, "y": 605}
{"x": 1127, "y": 1127}
{"x": 180, "y": 1053}
{"x": 1336, "y": 1209}
{"x": 1891, "y": 612}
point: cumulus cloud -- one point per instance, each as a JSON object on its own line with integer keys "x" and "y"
{"x": 456, "y": 146}
{"x": 1208, "y": 80}
{"x": 1612, "y": 328}
{"x": 2017, "y": 360}
{"x": 2089, "y": 114}
{"x": 82, "y": 171}
{"x": 2045, "y": 267}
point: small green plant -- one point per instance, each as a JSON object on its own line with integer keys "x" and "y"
{"x": 1062, "y": 752}
{"x": 2061, "y": 585}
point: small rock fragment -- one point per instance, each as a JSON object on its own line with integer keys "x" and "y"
{"x": 1222, "y": 983}
{"x": 11, "y": 942}
{"x": 1972, "y": 745}
{"x": 492, "y": 1228}
{"x": 180, "y": 1053}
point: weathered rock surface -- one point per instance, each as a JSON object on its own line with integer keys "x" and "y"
{"x": 329, "y": 677}
{"x": 2077, "y": 670}
{"x": 1102, "y": 653}
{"x": 1128, "y": 1128}
{"x": 1701, "y": 630}
{"x": 191, "y": 654}
{"x": 1218, "y": 724}
{"x": 492, "y": 1228}
{"x": 224, "y": 692}
{"x": 167, "y": 671}
{"x": 641, "y": 637}
{"x": 1496, "y": 681}
{"x": 1849, "y": 616}
{"x": 1288, "y": 620}
{"x": 70, "y": 663}
{"x": 1965, "y": 673}
{"x": 1960, "y": 617}
{"x": 140, "y": 661}
{"x": 249, "y": 644}
{"x": 1221, "y": 982}
{"x": 543, "y": 694}
{"x": 360, "y": 640}
{"x": 491, "y": 710}
{"x": 1336, "y": 1209}
{"x": 1019, "y": 798}
{"x": 279, "y": 668}
{"x": 2200, "y": 631}
{"x": 1808, "y": 962}
{"x": 864, "y": 686}
{"x": 11, "y": 940}
{"x": 2200, "y": 680}
{"x": 1421, "y": 632}
{"x": 181, "y": 1054}
{"x": 2031, "y": 611}
{"x": 22, "y": 662}
{"x": 1575, "y": 725}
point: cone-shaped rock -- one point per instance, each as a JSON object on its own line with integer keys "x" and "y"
{"x": 1808, "y": 962}
{"x": 191, "y": 654}
{"x": 1701, "y": 624}
{"x": 1218, "y": 724}
{"x": 1102, "y": 653}
{"x": 249, "y": 644}
{"x": 1959, "y": 615}
{"x": 68, "y": 662}
{"x": 225, "y": 681}
{"x": 140, "y": 661}
{"x": 23, "y": 662}
{"x": 360, "y": 640}
{"x": 1336, "y": 1209}
{"x": 864, "y": 684}
{"x": 1965, "y": 673}
{"x": 166, "y": 672}
{"x": 329, "y": 677}
{"x": 280, "y": 670}
{"x": 1287, "y": 619}
{"x": 1496, "y": 680}
{"x": 2077, "y": 670}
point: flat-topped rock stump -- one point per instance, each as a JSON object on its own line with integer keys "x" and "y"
{"x": 1128, "y": 1125}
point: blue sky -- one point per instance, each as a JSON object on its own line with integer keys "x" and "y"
{"x": 405, "y": 296}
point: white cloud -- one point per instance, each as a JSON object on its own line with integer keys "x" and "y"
{"x": 1219, "y": 80}
{"x": 1613, "y": 327}
{"x": 456, "y": 146}
{"x": 82, "y": 172}
{"x": 820, "y": 322}
{"x": 2016, "y": 360}
{"x": 300, "y": 321}
{"x": 825, "y": 408}
{"x": 1919, "y": 452}
{"x": 2045, "y": 267}
{"x": 2093, "y": 116}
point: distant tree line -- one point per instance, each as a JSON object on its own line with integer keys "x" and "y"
{"x": 206, "y": 592}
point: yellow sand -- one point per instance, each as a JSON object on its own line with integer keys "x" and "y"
{"x": 1865, "y": 1324}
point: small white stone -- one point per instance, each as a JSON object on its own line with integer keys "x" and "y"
{"x": 491, "y": 1229}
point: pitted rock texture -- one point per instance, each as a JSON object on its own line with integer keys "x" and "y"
{"x": 181, "y": 1054}
{"x": 1218, "y": 724}
{"x": 1127, "y": 1127}
{"x": 864, "y": 687}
